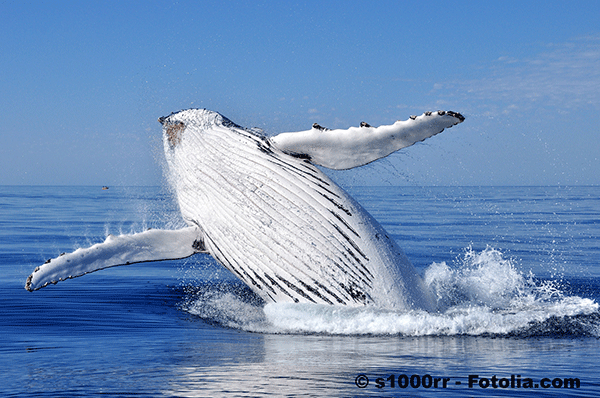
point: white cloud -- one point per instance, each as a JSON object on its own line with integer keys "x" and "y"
{"x": 563, "y": 76}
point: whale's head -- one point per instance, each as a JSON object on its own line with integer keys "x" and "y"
{"x": 176, "y": 124}
{"x": 203, "y": 149}
{"x": 196, "y": 137}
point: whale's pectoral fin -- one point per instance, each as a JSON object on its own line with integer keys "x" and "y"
{"x": 357, "y": 146}
{"x": 151, "y": 245}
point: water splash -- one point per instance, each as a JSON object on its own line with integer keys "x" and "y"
{"x": 487, "y": 279}
{"x": 482, "y": 294}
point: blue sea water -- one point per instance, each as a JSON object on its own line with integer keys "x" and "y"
{"x": 516, "y": 271}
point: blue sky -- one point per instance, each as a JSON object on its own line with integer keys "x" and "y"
{"x": 82, "y": 83}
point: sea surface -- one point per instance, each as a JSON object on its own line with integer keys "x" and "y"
{"x": 516, "y": 271}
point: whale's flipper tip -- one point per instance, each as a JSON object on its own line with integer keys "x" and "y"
{"x": 457, "y": 115}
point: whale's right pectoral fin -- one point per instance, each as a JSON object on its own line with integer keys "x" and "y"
{"x": 344, "y": 149}
{"x": 151, "y": 245}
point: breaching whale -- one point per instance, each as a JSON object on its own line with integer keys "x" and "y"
{"x": 262, "y": 209}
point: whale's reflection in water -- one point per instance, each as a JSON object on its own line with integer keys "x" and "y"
{"x": 316, "y": 365}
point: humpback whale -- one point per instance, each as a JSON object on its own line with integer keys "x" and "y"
{"x": 263, "y": 209}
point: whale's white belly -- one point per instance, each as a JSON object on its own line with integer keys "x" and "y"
{"x": 282, "y": 226}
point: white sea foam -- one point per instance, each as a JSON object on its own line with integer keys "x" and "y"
{"x": 483, "y": 293}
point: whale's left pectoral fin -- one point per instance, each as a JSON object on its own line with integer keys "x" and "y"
{"x": 357, "y": 146}
{"x": 151, "y": 245}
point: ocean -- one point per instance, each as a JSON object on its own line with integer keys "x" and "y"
{"x": 516, "y": 271}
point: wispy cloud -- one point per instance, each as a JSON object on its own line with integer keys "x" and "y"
{"x": 561, "y": 76}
